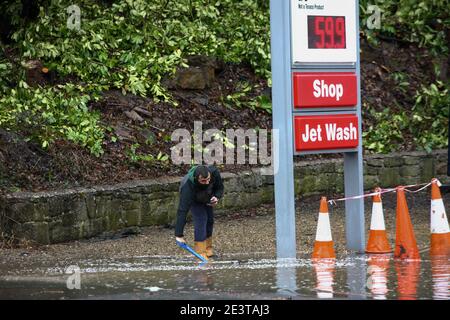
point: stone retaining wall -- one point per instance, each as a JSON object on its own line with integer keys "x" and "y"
{"x": 52, "y": 217}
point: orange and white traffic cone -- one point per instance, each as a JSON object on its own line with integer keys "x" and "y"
{"x": 323, "y": 246}
{"x": 378, "y": 242}
{"x": 440, "y": 232}
{"x": 405, "y": 240}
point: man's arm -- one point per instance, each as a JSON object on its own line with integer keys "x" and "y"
{"x": 218, "y": 184}
{"x": 183, "y": 208}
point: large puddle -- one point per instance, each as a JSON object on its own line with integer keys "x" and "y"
{"x": 235, "y": 277}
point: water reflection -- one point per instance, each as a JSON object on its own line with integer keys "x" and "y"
{"x": 324, "y": 269}
{"x": 408, "y": 272}
{"x": 440, "y": 270}
{"x": 356, "y": 277}
{"x": 378, "y": 272}
{"x": 353, "y": 277}
{"x": 286, "y": 277}
{"x": 197, "y": 280}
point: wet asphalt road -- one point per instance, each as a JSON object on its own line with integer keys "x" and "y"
{"x": 150, "y": 266}
{"x": 355, "y": 277}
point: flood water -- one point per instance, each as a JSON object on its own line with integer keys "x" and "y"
{"x": 235, "y": 277}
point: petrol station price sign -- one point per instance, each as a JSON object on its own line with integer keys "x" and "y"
{"x": 323, "y": 37}
{"x": 315, "y": 101}
{"x": 323, "y": 31}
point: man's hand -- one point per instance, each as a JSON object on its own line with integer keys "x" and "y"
{"x": 180, "y": 239}
{"x": 213, "y": 202}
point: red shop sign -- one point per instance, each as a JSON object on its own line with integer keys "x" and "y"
{"x": 326, "y": 132}
{"x": 315, "y": 90}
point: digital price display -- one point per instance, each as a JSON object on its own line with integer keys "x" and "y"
{"x": 323, "y": 32}
{"x": 326, "y": 32}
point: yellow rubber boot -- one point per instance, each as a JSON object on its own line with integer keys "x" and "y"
{"x": 209, "y": 248}
{"x": 200, "y": 248}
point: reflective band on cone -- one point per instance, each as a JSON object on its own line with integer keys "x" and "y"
{"x": 440, "y": 232}
{"x": 405, "y": 240}
{"x": 323, "y": 246}
{"x": 377, "y": 282}
{"x": 378, "y": 241}
{"x": 440, "y": 272}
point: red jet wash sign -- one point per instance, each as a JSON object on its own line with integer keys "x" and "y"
{"x": 316, "y": 90}
{"x": 326, "y": 132}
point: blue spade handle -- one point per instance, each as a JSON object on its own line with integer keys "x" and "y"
{"x": 185, "y": 246}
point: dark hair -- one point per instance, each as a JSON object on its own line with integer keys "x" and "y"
{"x": 201, "y": 171}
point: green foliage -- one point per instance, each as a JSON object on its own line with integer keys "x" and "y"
{"x": 116, "y": 47}
{"x": 240, "y": 98}
{"x": 426, "y": 122}
{"x": 263, "y": 102}
{"x": 429, "y": 122}
{"x": 46, "y": 115}
{"x": 424, "y": 22}
{"x": 6, "y": 73}
{"x": 387, "y": 133}
{"x": 131, "y": 45}
{"x": 136, "y": 157}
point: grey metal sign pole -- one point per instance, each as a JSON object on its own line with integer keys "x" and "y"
{"x": 353, "y": 175}
{"x": 282, "y": 121}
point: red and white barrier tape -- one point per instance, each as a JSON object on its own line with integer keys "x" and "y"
{"x": 381, "y": 191}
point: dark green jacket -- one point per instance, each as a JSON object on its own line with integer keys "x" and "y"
{"x": 190, "y": 193}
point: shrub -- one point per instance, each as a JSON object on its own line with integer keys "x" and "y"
{"x": 48, "y": 114}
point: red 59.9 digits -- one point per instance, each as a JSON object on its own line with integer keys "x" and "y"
{"x": 326, "y": 32}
